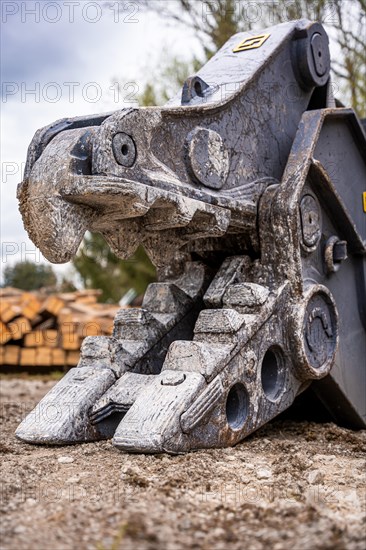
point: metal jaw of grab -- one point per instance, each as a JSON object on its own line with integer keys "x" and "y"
{"x": 246, "y": 192}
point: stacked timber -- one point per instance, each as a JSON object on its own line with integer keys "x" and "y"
{"x": 47, "y": 331}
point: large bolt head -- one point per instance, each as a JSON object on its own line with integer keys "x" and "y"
{"x": 315, "y": 333}
{"x": 320, "y": 52}
{"x": 311, "y": 222}
{"x": 311, "y": 58}
{"x": 124, "y": 149}
{"x": 207, "y": 158}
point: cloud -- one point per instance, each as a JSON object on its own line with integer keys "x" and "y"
{"x": 37, "y": 50}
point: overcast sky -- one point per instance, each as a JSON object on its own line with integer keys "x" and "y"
{"x": 62, "y": 59}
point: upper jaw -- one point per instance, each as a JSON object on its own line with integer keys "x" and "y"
{"x": 74, "y": 187}
{"x": 113, "y": 178}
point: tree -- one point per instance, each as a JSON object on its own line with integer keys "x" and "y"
{"x": 351, "y": 32}
{"x": 346, "y": 26}
{"x": 168, "y": 78}
{"x": 29, "y": 276}
{"x": 214, "y": 21}
{"x": 99, "y": 268}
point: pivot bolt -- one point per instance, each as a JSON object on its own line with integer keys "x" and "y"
{"x": 310, "y": 221}
{"x": 312, "y": 58}
{"x": 124, "y": 149}
{"x": 314, "y": 333}
{"x": 320, "y": 54}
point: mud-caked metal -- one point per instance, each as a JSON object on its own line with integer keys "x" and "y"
{"x": 246, "y": 191}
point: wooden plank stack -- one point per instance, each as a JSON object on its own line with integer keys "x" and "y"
{"x": 38, "y": 330}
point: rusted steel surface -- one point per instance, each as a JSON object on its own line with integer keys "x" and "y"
{"x": 240, "y": 191}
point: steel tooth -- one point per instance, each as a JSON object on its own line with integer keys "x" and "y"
{"x": 206, "y": 359}
{"x": 225, "y": 326}
{"x": 207, "y": 223}
{"x": 125, "y": 241}
{"x": 127, "y": 211}
{"x": 198, "y": 219}
{"x": 138, "y": 210}
{"x": 245, "y": 297}
{"x": 62, "y": 415}
{"x": 106, "y": 352}
{"x": 155, "y": 241}
{"x": 194, "y": 280}
{"x": 66, "y": 226}
{"x": 219, "y": 321}
{"x": 119, "y": 397}
{"x": 136, "y": 324}
{"x": 232, "y": 270}
{"x": 169, "y": 213}
{"x": 165, "y": 298}
{"x": 96, "y": 191}
{"x": 56, "y": 227}
{"x": 162, "y": 218}
{"x": 156, "y": 428}
{"x": 129, "y": 203}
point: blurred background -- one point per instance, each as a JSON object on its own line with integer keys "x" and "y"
{"x": 63, "y": 59}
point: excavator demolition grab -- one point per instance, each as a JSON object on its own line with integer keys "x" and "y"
{"x": 247, "y": 190}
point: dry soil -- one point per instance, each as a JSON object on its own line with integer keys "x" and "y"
{"x": 292, "y": 485}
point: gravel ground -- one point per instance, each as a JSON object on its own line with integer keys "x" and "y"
{"x": 292, "y": 485}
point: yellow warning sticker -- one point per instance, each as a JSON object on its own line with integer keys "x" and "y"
{"x": 251, "y": 43}
{"x": 364, "y": 201}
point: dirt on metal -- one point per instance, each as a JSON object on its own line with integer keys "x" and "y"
{"x": 295, "y": 485}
